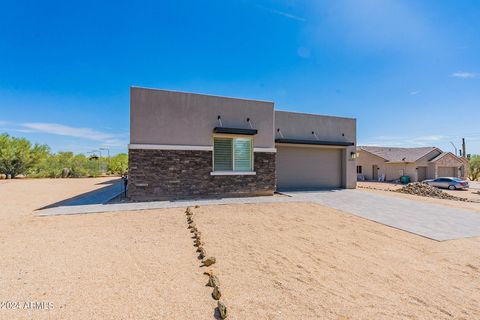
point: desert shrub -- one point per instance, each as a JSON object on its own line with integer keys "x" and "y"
{"x": 474, "y": 167}
{"x": 118, "y": 164}
{"x": 69, "y": 165}
{"x": 19, "y": 156}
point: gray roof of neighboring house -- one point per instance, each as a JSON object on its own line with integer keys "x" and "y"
{"x": 392, "y": 154}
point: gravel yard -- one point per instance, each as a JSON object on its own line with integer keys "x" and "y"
{"x": 128, "y": 265}
{"x": 306, "y": 261}
{"x": 274, "y": 261}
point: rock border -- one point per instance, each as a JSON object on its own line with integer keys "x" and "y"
{"x": 213, "y": 280}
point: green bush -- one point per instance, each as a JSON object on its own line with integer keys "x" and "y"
{"x": 18, "y": 156}
{"x": 118, "y": 164}
{"x": 69, "y": 165}
{"x": 474, "y": 167}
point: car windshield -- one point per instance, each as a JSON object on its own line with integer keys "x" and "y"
{"x": 457, "y": 179}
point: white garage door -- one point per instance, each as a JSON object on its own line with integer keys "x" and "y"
{"x": 308, "y": 168}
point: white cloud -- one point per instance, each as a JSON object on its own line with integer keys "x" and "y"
{"x": 414, "y": 93}
{"x": 120, "y": 143}
{"x": 8, "y": 126}
{"x": 63, "y": 130}
{"x": 283, "y": 14}
{"x": 464, "y": 75}
{"x": 430, "y": 138}
{"x": 107, "y": 139}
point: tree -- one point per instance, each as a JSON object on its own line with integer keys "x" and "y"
{"x": 474, "y": 167}
{"x": 67, "y": 165}
{"x": 118, "y": 164}
{"x": 18, "y": 156}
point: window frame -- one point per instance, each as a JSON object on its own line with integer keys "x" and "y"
{"x": 233, "y": 171}
{"x": 359, "y": 171}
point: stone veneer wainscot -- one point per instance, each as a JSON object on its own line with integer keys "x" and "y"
{"x": 174, "y": 174}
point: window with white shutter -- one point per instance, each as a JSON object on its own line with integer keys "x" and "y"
{"x": 222, "y": 154}
{"x": 233, "y": 154}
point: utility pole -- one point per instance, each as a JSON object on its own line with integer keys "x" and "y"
{"x": 464, "y": 149}
{"x": 108, "y": 159}
{"x": 454, "y": 147}
{"x": 108, "y": 151}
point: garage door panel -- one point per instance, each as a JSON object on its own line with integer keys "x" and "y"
{"x": 421, "y": 173}
{"x": 302, "y": 168}
{"x": 447, "y": 171}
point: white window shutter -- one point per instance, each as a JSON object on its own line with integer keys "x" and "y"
{"x": 243, "y": 154}
{"x": 222, "y": 154}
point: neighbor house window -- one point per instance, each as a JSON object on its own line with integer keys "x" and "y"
{"x": 359, "y": 169}
{"x": 232, "y": 154}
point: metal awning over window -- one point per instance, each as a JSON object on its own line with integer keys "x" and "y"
{"x": 226, "y": 130}
{"x": 315, "y": 142}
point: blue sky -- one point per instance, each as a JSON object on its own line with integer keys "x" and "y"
{"x": 409, "y": 71}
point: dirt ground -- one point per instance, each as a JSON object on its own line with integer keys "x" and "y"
{"x": 274, "y": 261}
{"x": 130, "y": 265}
{"x": 305, "y": 261}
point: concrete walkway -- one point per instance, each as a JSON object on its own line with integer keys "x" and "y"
{"x": 112, "y": 189}
{"x": 433, "y": 221}
{"x": 132, "y": 206}
{"x": 99, "y": 196}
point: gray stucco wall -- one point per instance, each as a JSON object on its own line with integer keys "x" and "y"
{"x": 294, "y": 125}
{"x": 179, "y": 118}
{"x": 300, "y": 126}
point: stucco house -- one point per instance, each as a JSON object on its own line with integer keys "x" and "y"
{"x": 191, "y": 145}
{"x": 389, "y": 163}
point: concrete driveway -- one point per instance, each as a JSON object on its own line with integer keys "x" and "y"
{"x": 429, "y": 220}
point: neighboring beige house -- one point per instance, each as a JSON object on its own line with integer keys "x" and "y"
{"x": 389, "y": 163}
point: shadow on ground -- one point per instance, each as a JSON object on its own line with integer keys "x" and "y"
{"x": 111, "y": 190}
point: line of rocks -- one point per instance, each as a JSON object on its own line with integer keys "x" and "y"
{"x": 213, "y": 280}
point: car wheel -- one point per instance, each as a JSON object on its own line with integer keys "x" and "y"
{"x": 451, "y": 187}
